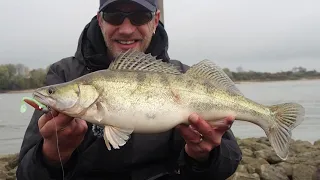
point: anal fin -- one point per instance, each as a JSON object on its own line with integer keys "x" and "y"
{"x": 116, "y": 137}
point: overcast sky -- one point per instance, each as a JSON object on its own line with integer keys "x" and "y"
{"x": 264, "y": 35}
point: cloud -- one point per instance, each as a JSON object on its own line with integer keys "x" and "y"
{"x": 258, "y": 35}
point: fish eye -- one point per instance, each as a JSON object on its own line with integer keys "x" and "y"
{"x": 50, "y": 90}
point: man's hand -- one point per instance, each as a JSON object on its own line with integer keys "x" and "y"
{"x": 202, "y": 137}
{"x": 70, "y": 133}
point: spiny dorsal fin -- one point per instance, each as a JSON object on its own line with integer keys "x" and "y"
{"x": 206, "y": 69}
{"x": 138, "y": 61}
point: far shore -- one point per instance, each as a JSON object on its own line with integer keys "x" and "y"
{"x": 269, "y": 81}
{"x": 17, "y": 91}
{"x": 237, "y": 82}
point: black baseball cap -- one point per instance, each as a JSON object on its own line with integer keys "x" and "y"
{"x": 151, "y": 5}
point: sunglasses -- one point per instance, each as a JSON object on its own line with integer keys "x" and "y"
{"x": 136, "y": 18}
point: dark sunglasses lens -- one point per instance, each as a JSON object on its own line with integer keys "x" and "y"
{"x": 115, "y": 18}
{"x": 140, "y": 18}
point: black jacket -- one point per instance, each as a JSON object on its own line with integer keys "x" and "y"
{"x": 144, "y": 156}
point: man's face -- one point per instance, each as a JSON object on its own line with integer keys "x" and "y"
{"x": 119, "y": 38}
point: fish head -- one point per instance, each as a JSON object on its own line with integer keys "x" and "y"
{"x": 70, "y": 98}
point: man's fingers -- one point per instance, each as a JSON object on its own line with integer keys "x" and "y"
{"x": 202, "y": 147}
{"x": 189, "y": 135}
{"x": 51, "y": 114}
{"x": 42, "y": 121}
{"x": 229, "y": 120}
{"x": 58, "y": 122}
{"x": 200, "y": 125}
{"x": 211, "y": 132}
{"x": 81, "y": 126}
{"x": 62, "y": 120}
{"x": 46, "y": 117}
{"x": 223, "y": 124}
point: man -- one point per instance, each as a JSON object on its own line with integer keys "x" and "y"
{"x": 185, "y": 152}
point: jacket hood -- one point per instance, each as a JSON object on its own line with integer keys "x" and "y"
{"x": 92, "y": 51}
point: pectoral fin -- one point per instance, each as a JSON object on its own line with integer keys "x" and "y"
{"x": 116, "y": 137}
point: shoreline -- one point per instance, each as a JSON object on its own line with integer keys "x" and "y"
{"x": 259, "y": 161}
{"x": 17, "y": 91}
{"x": 236, "y": 82}
{"x": 270, "y": 81}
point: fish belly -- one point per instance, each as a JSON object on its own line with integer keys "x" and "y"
{"x": 144, "y": 121}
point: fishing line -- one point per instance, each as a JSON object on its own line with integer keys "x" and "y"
{"x": 57, "y": 141}
{"x": 38, "y": 106}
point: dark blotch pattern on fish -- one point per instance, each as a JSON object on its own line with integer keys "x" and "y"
{"x": 141, "y": 77}
{"x": 202, "y": 106}
{"x": 151, "y": 115}
{"x": 164, "y": 79}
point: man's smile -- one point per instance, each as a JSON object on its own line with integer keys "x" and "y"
{"x": 126, "y": 44}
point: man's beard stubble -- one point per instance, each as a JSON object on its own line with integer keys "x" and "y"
{"x": 112, "y": 53}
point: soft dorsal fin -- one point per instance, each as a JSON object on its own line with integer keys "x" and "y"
{"x": 206, "y": 69}
{"x": 138, "y": 61}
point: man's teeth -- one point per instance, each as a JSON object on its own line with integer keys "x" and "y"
{"x": 126, "y": 42}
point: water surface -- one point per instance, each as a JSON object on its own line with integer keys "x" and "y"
{"x": 13, "y": 123}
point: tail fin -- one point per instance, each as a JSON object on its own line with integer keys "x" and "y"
{"x": 287, "y": 116}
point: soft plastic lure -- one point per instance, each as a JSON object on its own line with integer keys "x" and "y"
{"x": 32, "y": 102}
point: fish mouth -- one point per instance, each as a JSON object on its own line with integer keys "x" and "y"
{"x": 40, "y": 98}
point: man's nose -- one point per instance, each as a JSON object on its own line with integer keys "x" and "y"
{"x": 126, "y": 27}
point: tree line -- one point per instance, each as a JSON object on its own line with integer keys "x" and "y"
{"x": 297, "y": 73}
{"x": 20, "y": 77}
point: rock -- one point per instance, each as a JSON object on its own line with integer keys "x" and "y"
{"x": 244, "y": 176}
{"x": 242, "y": 169}
{"x": 252, "y": 164}
{"x": 286, "y": 166}
{"x": 12, "y": 172}
{"x": 269, "y": 155}
{"x": 247, "y": 152}
{"x": 271, "y": 172}
{"x": 261, "y": 162}
{"x": 8, "y": 166}
{"x": 309, "y": 154}
{"x": 264, "y": 140}
{"x": 12, "y": 163}
{"x": 251, "y": 169}
{"x": 3, "y": 174}
{"x": 301, "y": 146}
{"x": 303, "y": 172}
{"x": 317, "y": 143}
{"x": 252, "y": 144}
{"x": 311, "y": 158}
{"x": 6, "y": 158}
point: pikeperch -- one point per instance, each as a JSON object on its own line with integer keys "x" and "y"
{"x": 139, "y": 93}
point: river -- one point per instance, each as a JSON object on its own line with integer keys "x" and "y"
{"x": 13, "y": 123}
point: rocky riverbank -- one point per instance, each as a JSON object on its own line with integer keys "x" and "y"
{"x": 8, "y": 166}
{"x": 259, "y": 162}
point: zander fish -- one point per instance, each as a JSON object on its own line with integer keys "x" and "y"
{"x": 139, "y": 93}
